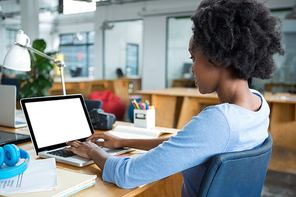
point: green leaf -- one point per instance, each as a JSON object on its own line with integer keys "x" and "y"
{"x": 24, "y": 77}
{"x": 44, "y": 92}
{"x": 39, "y": 44}
{"x": 25, "y": 91}
{"x": 38, "y": 80}
{"x": 44, "y": 83}
{"x": 45, "y": 67}
{"x": 35, "y": 88}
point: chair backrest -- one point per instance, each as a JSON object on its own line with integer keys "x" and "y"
{"x": 91, "y": 104}
{"x": 238, "y": 173}
{"x": 11, "y": 81}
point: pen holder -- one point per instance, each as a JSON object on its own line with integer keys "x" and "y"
{"x": 144, "y": 118}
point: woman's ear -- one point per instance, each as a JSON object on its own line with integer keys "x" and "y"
{"x": 216, "y": 63}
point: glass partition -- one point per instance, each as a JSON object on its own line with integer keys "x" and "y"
{"x": 284, "y": 77}
{"x": 178, "y": 62}
{"x": 122, "y": 49}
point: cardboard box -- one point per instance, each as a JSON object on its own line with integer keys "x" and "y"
{"x": 144, "y": 118}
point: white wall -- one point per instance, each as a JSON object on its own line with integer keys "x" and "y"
{"x": 154, "y": 64}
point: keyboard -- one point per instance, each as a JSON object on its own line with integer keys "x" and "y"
{"x": 62, "y": 153}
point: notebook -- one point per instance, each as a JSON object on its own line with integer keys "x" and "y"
{"x": 9, "y": 116}
{"x": 55, "y": 120}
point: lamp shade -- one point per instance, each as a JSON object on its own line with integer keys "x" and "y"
{"x": 18, "y": 58}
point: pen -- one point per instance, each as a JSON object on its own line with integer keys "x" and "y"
{"x": 147, "y": 105}
{"x": 142, "y": 106}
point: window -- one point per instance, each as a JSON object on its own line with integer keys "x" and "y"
{"x": 132, "y": 59}
{"x": 78, "y": 51}
{"x": 72, "y": 7}
{"x": 10, "y": 37}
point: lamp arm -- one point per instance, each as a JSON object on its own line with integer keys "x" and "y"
{"x": 40, "y": 53}
{"x": 60, "y": 63}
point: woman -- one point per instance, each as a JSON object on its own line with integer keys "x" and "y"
{"x": 233, "y": 41}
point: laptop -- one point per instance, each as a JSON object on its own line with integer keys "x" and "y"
{"x": 9, "y": 116}
{"x": 55, "y": 120}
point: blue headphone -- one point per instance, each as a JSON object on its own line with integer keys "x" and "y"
{"x": 10, "y": 154}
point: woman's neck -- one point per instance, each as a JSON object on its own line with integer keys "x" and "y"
{"x": 236, "y": 91}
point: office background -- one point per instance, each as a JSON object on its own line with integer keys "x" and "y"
{"x": 147, "y": 39}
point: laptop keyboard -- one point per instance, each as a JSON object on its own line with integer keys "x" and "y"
{"x": 62, "y": 153}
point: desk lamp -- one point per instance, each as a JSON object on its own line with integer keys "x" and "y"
{"x": 18, "y": 58}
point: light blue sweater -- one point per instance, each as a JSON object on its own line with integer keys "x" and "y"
{"x": 217, "y": 129}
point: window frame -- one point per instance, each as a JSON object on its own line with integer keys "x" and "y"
{"x": 73, "y": 44}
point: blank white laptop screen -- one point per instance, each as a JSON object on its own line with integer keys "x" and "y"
{"x": 57, "y": 121}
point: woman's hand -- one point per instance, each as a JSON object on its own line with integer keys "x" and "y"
{"x": 109, "y": 140}
{"x": 83, "y": 149}
{"x": 89, "y": 150}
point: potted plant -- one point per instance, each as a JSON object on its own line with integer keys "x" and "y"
{"x": 36, "y": 82}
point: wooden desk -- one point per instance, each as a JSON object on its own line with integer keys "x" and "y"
{"x": 291, "y": 87}
{"x": 174, "y": 107}
{"x": 283, "y": 130}
{"x": 183, "y": 83}
{"x": 170, "y": 186}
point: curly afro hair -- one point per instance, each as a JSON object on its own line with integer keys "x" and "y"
{"x": 241, "y": 34}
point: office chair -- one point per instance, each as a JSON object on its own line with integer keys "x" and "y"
{"x": 237, "y": 174}
{"x": 11, "y": 81}
{"x": 91, "y": 104}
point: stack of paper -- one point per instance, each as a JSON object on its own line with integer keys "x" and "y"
{"x": 39, "y": 176}
{"x": 67, "y": 183}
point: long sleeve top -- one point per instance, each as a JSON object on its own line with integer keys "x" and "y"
{"x": 217, "y": 129}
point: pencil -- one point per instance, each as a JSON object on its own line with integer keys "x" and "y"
{"x": 140, "y": 107}
{"x": 134, "y": 102}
